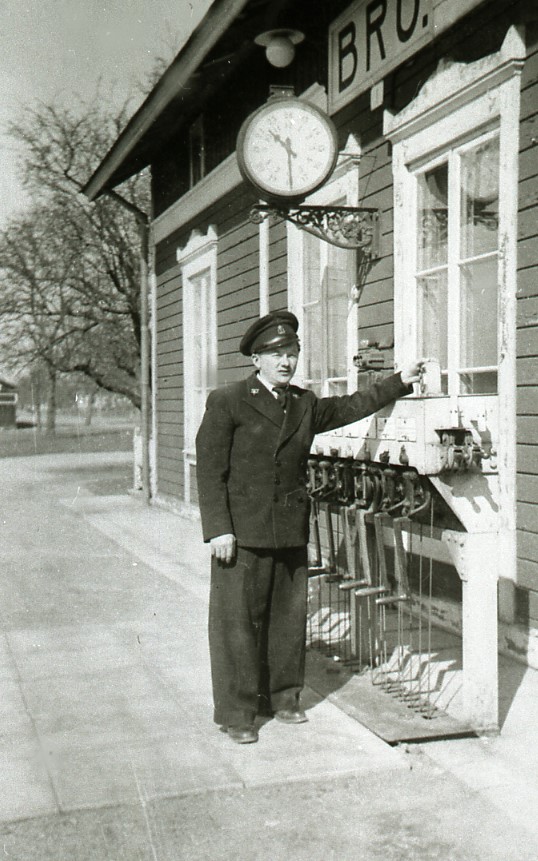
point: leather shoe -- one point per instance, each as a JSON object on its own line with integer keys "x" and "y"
{"x": 246, "y": 734}
{"x": 294, "y": 715}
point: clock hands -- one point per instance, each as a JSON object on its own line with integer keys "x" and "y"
{"x": 285, "y": 143}
{"x": 289, "y": 151}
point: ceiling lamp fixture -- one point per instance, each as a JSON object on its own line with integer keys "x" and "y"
{"x": 279, "y": 45}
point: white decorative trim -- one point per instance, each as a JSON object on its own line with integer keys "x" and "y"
{"x": 211, "y": 188}
{"x": 263, "y": 238}
{"x": 195, "y": 258}
{"x": 455, "y": 85}
{"x": 198, "y": 242}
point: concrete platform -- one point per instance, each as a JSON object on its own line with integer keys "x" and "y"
{"x": 107, "y": 746}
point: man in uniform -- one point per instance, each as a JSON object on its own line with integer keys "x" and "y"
{"x": 252, "y": 450}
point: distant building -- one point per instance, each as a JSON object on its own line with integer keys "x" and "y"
{"x": 8, "y": 403}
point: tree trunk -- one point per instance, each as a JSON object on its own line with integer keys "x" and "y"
{"x": 36, "y": 403}
{"x": 89, "y": 409}
{"x": 50, "y": 426}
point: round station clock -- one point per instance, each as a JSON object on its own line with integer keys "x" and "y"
{"x": 287, "y": 149}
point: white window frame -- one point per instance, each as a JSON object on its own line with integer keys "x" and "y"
{"x": 452, "y": 158}
{"x": 197, "y": 257}
{"x": 344, "y": 187}
{"x": 458, "y": 102}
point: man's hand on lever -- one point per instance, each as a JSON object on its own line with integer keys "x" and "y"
{"x": 223, "y": 547}
{"x": 410, "y": 373}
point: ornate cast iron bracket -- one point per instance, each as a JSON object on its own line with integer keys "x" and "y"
{"x": 345, "y": 226}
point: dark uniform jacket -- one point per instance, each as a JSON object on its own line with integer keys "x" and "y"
{"x": 252, "y": 459}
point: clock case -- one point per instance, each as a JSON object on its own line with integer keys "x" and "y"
{"x": 263, "y": 193}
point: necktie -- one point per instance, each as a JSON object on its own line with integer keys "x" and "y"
{"x": 281, "y": 393}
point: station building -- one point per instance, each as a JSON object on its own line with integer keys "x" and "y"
{"x": 435, "y": 106}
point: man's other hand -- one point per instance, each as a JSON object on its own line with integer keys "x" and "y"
{"x": 223, "y": 547}
{"x": 410, "y": 373}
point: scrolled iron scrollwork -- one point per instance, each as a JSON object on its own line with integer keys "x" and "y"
{"x": 344, "y": 226}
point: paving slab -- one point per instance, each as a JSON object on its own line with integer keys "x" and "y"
{"x": 25, "y": 786}
{"x": 69, "y": 650}
{"x": 108, "y": 717}
{"x": 136, "y": 773}
{"x": 157, "y": 545}
{"x": 330, "y": 744}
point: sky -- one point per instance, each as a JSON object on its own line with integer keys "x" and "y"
{"x": 54, "y": 49}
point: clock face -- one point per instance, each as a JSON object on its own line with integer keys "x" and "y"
{"x": 287, "y": 149}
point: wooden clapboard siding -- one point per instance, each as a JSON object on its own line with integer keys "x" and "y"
{"x": 375, "y": 306}
{"x": 527, "y": 347}
{"x": 237, "y": 304}
{"x": 169, "y": 373}
{"x": 528, "y": 401}
{"x": 238, "y": 296}
{"x": 278, "y": 266}
{"x": 527, "y": 606}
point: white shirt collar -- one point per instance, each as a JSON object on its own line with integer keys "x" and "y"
{"x": 269, "y": 386}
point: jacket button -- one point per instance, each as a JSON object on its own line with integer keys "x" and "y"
{"x": 275, "y": 497}
{"x": 277, "y": 479}
{"x": 278, "y": 463}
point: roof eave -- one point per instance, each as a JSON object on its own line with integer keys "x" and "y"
{"x": 203, "y": 38}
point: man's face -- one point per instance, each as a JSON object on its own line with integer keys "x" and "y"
{"x": 278, "y": 365}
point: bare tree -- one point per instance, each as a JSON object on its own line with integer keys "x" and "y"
{"x": 69, "y": 269}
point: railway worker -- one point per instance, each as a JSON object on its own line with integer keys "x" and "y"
{"x": 252, "y": 450}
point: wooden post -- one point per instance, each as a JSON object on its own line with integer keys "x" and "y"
{"x": 476, "y": 556}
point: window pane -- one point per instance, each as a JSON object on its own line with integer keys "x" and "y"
{"x": 340, "y": 276}
{"x": 198, "y": 337}
{"x": 432, "y": 317}
{"x": 312, "y": 280}
{"x": 480, "y": 199}
{"x": 329, "y": 274}
{"x": 479, "y": 383}
{"x": 478, "y": 314}
{"x": 337, "y": 388}
{"x": 312, "y": 344}
{"x": 199, "y": 409}
{"x": 432, "y": 217}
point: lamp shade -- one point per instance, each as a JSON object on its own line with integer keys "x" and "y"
{"x": 279, "y": 45}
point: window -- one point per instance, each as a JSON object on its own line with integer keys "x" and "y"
{"x": 457, "y": 251}
{"x": 455, "y": 156}
{"x": 321, "y": 279}
{"x": 198, "y": 261}
{"x": 329, "y": 276}
{"x": 197, "y": 346}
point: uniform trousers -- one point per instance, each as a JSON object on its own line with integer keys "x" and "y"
{"x": 257, "y": 631}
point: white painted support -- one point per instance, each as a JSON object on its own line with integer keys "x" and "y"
{"x": 154, "y": 379}
{"x": 476, "y": 557}
{"x": 264, "y": 266}
{"x": 507, "y": 274}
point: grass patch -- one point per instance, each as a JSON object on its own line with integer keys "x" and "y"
{"x": 70, "y": 437}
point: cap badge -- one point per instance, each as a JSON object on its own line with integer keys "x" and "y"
{"x": 281, "y": 330}
{"x": 254, "y": 391}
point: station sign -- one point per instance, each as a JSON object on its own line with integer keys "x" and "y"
{"x": 371, "y": 38}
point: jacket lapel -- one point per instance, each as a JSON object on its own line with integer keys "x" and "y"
{"x": 259, "y": 398}
{"x": 294, "y": 415}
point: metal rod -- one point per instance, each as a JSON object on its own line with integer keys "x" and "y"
{"x": 144, "y": 360}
